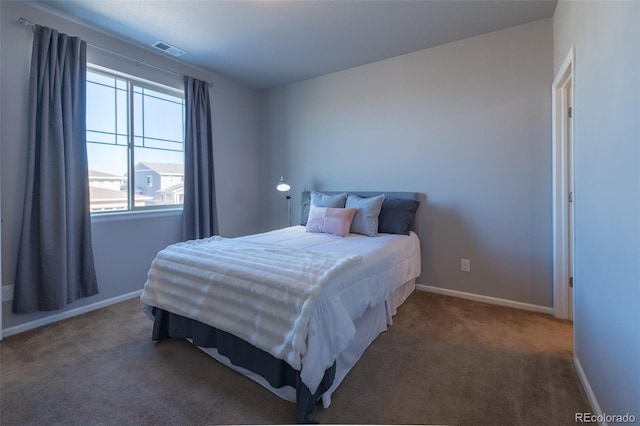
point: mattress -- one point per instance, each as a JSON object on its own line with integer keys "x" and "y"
{"x": 388, "y": 261}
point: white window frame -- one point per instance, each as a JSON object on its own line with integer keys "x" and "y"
{"x": 140, "y": 82}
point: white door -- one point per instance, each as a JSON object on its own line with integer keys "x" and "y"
{"x": 571, "y": 236}
{"x": 563, "y": 193}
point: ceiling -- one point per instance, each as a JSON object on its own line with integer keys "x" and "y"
{"x": 267, "y": 43}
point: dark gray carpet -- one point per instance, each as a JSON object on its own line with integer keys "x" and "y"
{"x": 444, "y": 361}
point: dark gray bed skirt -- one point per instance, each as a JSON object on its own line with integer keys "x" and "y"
{"x": 241, "y": 353}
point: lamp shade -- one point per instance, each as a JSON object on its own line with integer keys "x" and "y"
{"x": 282, "y": 185}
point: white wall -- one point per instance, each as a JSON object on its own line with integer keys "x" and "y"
{"x": 123, "y": 249}
{"x": 606, "y": 36}
{"x": 468, "y": 124}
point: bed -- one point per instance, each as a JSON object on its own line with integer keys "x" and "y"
{"x": 292, "y": 310}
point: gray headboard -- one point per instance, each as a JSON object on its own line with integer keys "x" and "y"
{"x": 306, "y": 198}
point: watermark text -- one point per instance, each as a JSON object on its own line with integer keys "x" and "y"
{"x": 604, "y": 418}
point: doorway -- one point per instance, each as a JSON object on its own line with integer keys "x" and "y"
{"x": 563, "y": 90}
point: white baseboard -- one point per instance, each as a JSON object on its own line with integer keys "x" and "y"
{"x": 422, "y": 287}
{"x": 68, "y": 314}
{"x": 485, "y": 299}
{"x": 587, "y": 389}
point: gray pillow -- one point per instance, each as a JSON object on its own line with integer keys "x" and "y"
{"x": 397, "y": 216}
{"x": 322, "y": 200}
{"x": 365, "y": 221}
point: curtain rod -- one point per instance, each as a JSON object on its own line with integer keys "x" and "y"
{"x": 28, "y": 23}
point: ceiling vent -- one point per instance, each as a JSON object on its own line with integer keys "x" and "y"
{"x": 167, "y": 48}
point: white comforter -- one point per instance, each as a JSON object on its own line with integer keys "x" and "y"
{"x": 259, "y": 292}
{"x": 297, "y": 293}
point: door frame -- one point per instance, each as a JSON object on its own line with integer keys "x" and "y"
{"x": 562, "y": 157}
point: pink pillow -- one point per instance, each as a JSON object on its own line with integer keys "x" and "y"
{"x": 330, "y": 220}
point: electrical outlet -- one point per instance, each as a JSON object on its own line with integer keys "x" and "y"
{"x": 7, "y": 293}
{"x": 465, "y": 265}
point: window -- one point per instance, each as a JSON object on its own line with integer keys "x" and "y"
{"x": 135, "y": 128}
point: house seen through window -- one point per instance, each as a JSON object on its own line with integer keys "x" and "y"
{"x": 135, "y": 143}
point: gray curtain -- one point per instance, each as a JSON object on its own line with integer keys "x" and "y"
{"x": 55, "y": 263}
{"x": 200, "y": 218}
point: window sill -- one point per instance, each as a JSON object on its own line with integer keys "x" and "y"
{"x": 134, "y": 215}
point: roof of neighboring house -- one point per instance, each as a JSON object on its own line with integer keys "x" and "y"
{"x": 178, "y": 187}
{"x": 104, "y": 194}
{"x": 94, "y": 174}
{"x": 162, "y": 168}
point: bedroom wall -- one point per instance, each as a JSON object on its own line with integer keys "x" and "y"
{"x": 124, "y": 246}
{"x": 606, "y": 37}
{"x": 467, "y": 124}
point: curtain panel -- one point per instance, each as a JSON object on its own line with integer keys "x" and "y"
{"x": 55, "y": 261}
{"x": 200, "y": 219}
